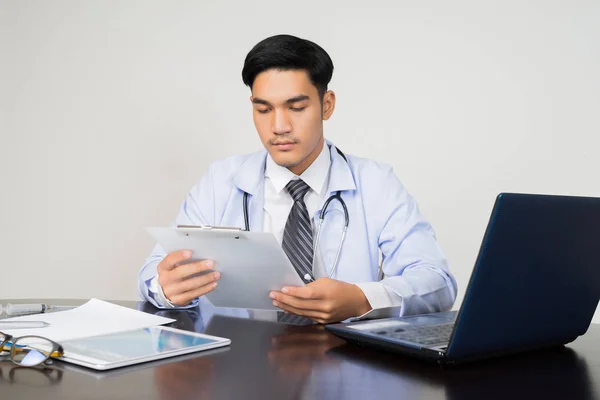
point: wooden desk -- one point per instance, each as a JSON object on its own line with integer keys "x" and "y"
{"x": 269, "y": 360}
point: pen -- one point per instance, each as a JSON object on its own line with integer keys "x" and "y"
{"x": 24, "y": 309}
{"x": 23, "y": 324}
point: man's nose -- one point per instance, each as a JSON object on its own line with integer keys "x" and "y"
{"x": 281, "y": 122}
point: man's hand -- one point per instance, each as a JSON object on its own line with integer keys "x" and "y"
{"x": 180, "y": 282}
{"x": 325, "y": 300}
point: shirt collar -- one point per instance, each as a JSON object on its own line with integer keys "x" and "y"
{"x": 315, "y": 175}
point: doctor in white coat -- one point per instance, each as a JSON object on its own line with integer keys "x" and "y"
{"x": 288, "y": 78}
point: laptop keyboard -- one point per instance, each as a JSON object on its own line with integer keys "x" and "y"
{"x": 426, "y": 335}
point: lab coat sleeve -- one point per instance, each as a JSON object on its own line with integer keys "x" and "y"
{"x": 417, "y": 277}
{"x": 197, "y": 209}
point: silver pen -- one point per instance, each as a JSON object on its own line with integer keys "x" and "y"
{"x": 25, "y": 309}
{"x": 23, "y": 324}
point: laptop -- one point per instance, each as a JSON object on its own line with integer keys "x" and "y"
{"x": 535, "y": 284}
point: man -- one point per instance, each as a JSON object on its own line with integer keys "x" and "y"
{"x": 285, "y": 188}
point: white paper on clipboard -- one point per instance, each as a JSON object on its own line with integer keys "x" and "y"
{"x": 251, "y": 263}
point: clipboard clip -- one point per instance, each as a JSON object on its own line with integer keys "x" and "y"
{"x": 209, "y": 227}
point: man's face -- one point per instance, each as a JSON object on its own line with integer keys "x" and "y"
{"x": 288, "y": 116}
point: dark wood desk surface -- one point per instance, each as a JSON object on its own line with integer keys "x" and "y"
{"x": 269, "y": 360}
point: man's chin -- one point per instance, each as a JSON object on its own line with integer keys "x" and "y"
{"x": 285, "y": 159}
{"x": 286, "y": 164}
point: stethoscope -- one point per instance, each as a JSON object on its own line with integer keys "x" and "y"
{"x": 337, "y": 196}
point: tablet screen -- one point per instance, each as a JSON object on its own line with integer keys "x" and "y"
{"x": 139, "y": 343}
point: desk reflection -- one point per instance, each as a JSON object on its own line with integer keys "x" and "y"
{"x": 557, "y": 373}
{"x": 261, "y": 351}
{"x": 188, "y": 379}
{"x": 306, "y": 362}
{"x": 32, "y": 377}
{"x": 299, "y": 348}
{"x": 199, "y": 317}
{"x": 196, "y": 318}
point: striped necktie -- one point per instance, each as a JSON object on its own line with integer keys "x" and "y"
{"x": 297, "y": 236}
{"x": 297, "y": 242}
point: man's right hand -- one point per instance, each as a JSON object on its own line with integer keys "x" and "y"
{"x": 177, "y": 281}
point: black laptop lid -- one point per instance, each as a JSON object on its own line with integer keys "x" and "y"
{"x": 536, "y": 280}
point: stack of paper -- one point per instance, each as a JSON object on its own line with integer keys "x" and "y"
{"x": 96, "y": 317}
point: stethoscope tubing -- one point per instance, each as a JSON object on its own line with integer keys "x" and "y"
{"x": 337, "y": 196}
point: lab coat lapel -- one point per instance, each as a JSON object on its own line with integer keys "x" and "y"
{"x": 340, "y": 178}
{"x": 250, "y": 179}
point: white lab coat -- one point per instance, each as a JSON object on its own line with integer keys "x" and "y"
{"x": 383, "y": 217}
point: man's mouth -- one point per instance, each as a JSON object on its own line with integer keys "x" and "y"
{"x": 287, "y": 145}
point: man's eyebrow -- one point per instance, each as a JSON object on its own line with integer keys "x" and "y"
{"x": 256, "y": 100}
{"x": 298, "y": 98}
{"x": 295, "y": 99}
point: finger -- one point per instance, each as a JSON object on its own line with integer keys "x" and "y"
{"x": 185, "y": 298}
{"x": 300, "y": 303}
{"x": 191, "y": 284}
{"x": 185, "y": 271}
{"x": 172, "y": 259}
{"x": 303, "y": 292}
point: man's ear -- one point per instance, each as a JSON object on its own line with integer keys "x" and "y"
{"x": 328, "y": 104}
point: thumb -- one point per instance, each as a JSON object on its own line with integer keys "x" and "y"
{"x": 173, "y": 259}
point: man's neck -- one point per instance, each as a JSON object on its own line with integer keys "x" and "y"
{"x": 307, "y": 162}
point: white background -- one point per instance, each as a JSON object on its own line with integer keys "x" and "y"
{"x": 111, "y": 110}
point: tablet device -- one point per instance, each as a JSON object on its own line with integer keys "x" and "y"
{"x": 120, "y": 349}
{"x": 251, "y": 263}
{"x": 103, "y": 374}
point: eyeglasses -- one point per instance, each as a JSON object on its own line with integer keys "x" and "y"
{"x": 29, "y": 351}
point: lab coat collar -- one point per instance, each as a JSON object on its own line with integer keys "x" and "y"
{"x": 251, "y": 174}
{"x": 340, "y": 177}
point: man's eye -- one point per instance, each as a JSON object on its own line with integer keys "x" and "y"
{"x": 266, "y": 110}
{"x": 297, "y": 108}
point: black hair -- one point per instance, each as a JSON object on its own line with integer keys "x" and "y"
{"x": 286, "y": 52}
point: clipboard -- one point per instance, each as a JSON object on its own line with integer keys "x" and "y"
{"x": 251, "y": 264}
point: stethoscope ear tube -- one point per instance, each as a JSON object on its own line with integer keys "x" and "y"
{"x": 246, "y": 222}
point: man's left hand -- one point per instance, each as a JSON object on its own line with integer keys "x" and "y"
{"x": 324, "y": 300}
